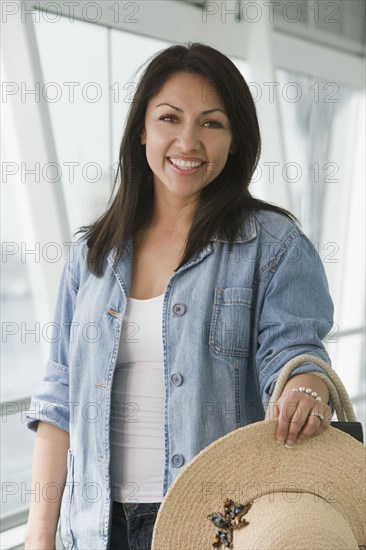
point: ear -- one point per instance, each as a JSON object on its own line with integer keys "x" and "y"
{"x": 143, "y": 136}
{"x": 232, "y": 149}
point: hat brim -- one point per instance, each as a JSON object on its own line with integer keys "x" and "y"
{"x": 248, "y": 463}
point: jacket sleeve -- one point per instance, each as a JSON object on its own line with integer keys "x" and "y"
{"x": 296, "y": 315}
{"x": 50, "y": 402}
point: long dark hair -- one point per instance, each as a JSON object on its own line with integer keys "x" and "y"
{"x": 222, "y": 202}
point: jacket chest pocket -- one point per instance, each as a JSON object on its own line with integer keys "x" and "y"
{"x": 230, "y": 322}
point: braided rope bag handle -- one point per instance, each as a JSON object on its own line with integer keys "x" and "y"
{"x": 337, "y": 391}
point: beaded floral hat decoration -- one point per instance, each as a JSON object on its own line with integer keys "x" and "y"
{"x": 246, "y": 492}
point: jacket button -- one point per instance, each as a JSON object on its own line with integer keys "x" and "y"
{"x": 179, "y": 309}
{"x": 177, "y": 379}
{"x": 177, "y": 461}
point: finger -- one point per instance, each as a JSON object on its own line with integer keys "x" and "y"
{"x": 289, "y": 417}
{"x": 283, "y": 422}
{"x": 314, "y": 425}
{"x": 298, "y": 421}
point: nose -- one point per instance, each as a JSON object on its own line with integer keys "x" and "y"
{"x": 188, "y": 138}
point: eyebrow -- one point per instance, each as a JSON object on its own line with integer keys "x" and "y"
{"x": 181, "y": 110}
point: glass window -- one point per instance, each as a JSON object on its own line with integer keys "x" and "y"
{"x": 324, "y": 137}
{"x": 76, "y": 84}
{"x": 244, "y": 68}
{"x": 23, "y": 350}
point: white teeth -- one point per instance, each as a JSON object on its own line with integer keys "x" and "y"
{"x": 185, "y": 165}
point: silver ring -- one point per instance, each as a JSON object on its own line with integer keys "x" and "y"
{"x": 317, "y": 414}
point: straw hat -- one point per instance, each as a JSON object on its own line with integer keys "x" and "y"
{"x": 309, "y": 497}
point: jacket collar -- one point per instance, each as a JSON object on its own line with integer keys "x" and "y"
{"x": 247, "y": 231}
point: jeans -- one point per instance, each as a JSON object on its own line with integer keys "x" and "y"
{"x": 133, "y": 525}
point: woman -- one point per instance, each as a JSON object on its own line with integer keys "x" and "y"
{"x": 178, "y": 308}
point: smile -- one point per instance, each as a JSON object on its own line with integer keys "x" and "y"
{"x": 182, "y": 166}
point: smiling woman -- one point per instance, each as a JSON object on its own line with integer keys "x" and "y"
{"x": 186, "y": 144}
{"x": 172, "y": 115}
{"x": 199, "y": 294}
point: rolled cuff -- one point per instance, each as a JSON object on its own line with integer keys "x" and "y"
{"x": 304, "y": 368}
{"x": 50, "y": 403}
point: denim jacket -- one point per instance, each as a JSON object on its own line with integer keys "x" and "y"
{"x": 231, "y": 321}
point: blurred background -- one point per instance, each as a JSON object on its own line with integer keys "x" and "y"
{"x": 69, "y": 71}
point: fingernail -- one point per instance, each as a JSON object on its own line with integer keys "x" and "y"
{"x": 289, "y": 444}
{"x": 280, "y": 440}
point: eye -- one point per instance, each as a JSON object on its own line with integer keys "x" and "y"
{"x": 167, "y": 116}
{"x": 212, "y": 122}
{"x": 217, "y": 124}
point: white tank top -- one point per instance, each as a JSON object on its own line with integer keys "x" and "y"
{"x": 137, "y": 407}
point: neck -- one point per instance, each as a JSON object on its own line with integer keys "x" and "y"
{"x": 173, "y": 218}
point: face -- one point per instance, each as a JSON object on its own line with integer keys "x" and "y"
{"x": 186, "y": 147}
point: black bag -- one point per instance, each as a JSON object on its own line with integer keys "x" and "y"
{"x": 352, "y": 428}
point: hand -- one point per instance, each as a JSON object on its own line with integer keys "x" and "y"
{"x": 295, "y": 421}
